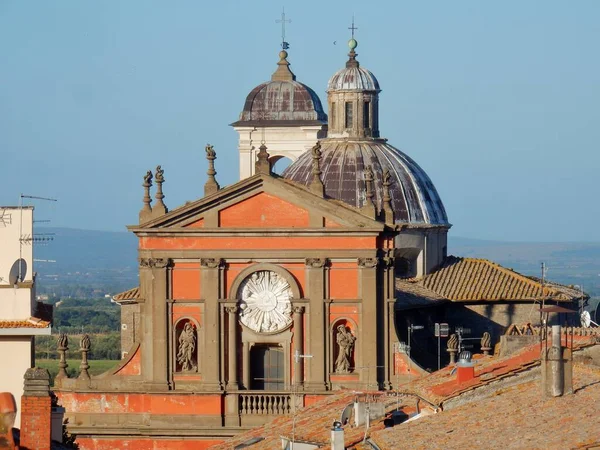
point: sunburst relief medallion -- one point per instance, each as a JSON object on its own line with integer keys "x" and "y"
{"x": 265, "y": 302}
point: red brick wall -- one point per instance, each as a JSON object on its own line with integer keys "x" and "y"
{"x": 36, "y": 429}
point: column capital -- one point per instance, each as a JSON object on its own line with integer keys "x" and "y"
{"x": 211, "y": 263}
{"x": 232, "y": 309}
{"x": 368, "y": 262}
{"x": 315, "y": 263}
{"x": 154, "y": 263}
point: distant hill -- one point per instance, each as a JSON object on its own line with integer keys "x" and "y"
{"x": 107, "y": 261}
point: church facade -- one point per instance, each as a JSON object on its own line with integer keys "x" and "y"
{"x": 270, "y": 294}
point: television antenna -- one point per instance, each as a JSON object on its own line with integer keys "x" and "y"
{"x": 30, "y": 238}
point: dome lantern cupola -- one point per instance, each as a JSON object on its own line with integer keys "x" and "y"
{"x": 353, "y": 100}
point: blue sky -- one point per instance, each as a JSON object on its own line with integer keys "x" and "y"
{"x": 497, "y": 101}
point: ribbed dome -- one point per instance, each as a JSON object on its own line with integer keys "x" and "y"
{"x": 283, "y": 100}
{"x": 353, "y": 78}
{"x": 414, "y": 198}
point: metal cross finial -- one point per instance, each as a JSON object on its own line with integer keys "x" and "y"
{"x": 283, "y": 21}
{"x": 353, "y": 27}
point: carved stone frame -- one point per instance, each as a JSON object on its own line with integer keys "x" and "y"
{"x": 235, "y": 286}
{"x": 333, "y": 343}
{"x": 199, "y": 347}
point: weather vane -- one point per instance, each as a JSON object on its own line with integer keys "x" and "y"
{"x": 283, "y": 21}
{"x": 353, "y": 27}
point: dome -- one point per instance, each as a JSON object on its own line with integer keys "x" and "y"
{"x": 414, "y": 198}
{"x": 283, "y": 99}
{"x": 353, "y": 78}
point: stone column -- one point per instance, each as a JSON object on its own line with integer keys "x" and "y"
{"x": 232, "y": 381}
{"x": 210, "y": 293}
{"x": 317, "y": 326}
{"x": 153, "y": 283}
{"x": 36, "y": 410}
{"x": 368, "y": 338}
{"x": 298, "y": 345}
{"x": 246, "y": 365}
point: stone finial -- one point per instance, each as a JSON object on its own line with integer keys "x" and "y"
{"x": 452, "y": 347}
{"x": 369, "y": 206}
{"x": 160, "y": 207}
{"x": 84, "y": 348}
{"x": 263, "y": 165}
{"x": 283, "y": 72}
{"x": 387, "y": 197}
{"x": 211, "y": 186}
{"x": 63, "y": 346}
{"x": 316, "y": 185}
{"x": 146, "y": 211}
{"x": 486, "y": 343}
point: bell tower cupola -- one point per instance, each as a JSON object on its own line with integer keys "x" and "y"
{"x": 353, "y": 100}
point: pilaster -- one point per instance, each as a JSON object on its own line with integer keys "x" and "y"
{"x": 298, "y": 345}
{"x": 210, "y": 293}
{"x": 369, "y": 328}
{"x": 317, "y": 323}
{"x": 153, "y": 282}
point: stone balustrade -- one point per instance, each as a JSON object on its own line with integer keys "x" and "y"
{"x": 265, "y": 403}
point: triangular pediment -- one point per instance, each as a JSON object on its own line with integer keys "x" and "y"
{"x": 262, "y": 201}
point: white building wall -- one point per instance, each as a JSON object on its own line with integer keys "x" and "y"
{"x": 16, "y": 298}
{"x": 289, "y": 142}
{"x": 16, "y": 301}
{"x": 17, "y": 358}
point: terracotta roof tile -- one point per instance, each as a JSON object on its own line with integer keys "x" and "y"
{"x": 312, "y": 424}
{"x": 32, "y": 322}
{"x": 470, "y": 279}
{"x": 515, "y": 417}
{"x": 131, "y": 294}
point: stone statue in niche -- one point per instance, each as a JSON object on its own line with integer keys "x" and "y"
{"x": 186, "y": 358}
{"x": 345, "y": 341}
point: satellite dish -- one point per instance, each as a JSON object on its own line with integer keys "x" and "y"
{"x": 18, "y": 271}
{"x": 347, "y": 414}
{"x": 586, "y": 319}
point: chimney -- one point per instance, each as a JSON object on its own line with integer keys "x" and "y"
{"x": 557, "y": 367}
{"x": 465, "y": 368}
{"x": 337, "y": 436}
{"x": 36, "y": 410}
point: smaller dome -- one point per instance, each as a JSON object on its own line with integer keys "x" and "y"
{"x": 353, "y": 79}
{"x": 283, "y": 99}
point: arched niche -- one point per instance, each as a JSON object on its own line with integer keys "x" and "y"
{"x": 186, "y": 334}
{"x": 351, "y": 327}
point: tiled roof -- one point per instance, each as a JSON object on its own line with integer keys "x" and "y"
{"x": 32, "y": 322}
{"x": 412, "y": 295}
{"x": 515, "y": 417}
{"x": 312, "y": 424}
{"x": 131, "y": 294}
{"x": 471, "y": 279}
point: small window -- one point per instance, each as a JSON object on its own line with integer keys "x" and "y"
{"x": 348, "y": 115}
{"x": 332, "y": 115}
{"x": 366, "y": 115}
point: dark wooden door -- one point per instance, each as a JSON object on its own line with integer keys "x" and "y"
{"x": 267, "y": 368}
